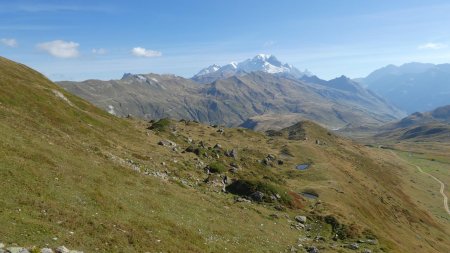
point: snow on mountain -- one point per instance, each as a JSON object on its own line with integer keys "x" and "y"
{"x": 211, "y": 69}
{"x": 261, "y": 62}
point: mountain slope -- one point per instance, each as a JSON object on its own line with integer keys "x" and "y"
{"x": 412, "y": 87}
{"x": 233, "y": 100}
{"x": 427, "y": 126}
{"x": 75, "y": 175}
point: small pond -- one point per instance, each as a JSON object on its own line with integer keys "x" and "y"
{"x": 309, "y": 195}
{"x": 303, "y": 166}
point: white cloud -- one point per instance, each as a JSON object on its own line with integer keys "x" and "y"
{"x": 142, "y": 52}
{"x": 269, "y": 43}
{"x": 99, "y": 51}
{"x": 60, "y": 48}
{"x": 9, "y": 42}
{"x": 431, "y": 45}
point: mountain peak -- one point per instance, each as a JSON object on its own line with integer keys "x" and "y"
{"x": 262, "y": 62}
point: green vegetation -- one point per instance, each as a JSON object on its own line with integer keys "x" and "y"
{"x": 95, "y": 181}
{"x": 160, "y": 125}
{"x": 217, "y": 167}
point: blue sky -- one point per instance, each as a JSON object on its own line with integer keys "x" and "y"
{"x": 77, "y": 40}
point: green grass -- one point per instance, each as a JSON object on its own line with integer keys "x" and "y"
{"x": 65, "y": 168}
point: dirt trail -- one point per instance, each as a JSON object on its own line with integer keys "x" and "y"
{"x": 433, "y": 177}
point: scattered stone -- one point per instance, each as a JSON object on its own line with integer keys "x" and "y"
{"x": 280, "y": 208}
{"x": 257, "y": 196}
{"x": 46, "y": 250}
{"x": 240, "y": 199}
{"x": 217, "y": 146}
{"x": 353, "y": 246}
{"x": 167, "y": 143}
{"x": 313, "y": 250}
{"x": 62, "y": 249}
{"x": 319, "y": 238}
{"x": 232, "y": 153}
{"x": 301, "y": 219}
{"x": 366, "y": 251}
{"x": 372, "y": 241}
{"x": 297, "y": 226}
{"x": 2, "y": 245}
{"x": 17, "y": 250}
{"x": 271, "y": 157}
{"x": 265, "y": 161}
{"x": 221, "y": 131}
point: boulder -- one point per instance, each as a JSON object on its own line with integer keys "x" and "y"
{"x": 46, "y": 250}
{"x": 301, "y": 219}
{"x": 167, "y": 143}
{"x": 313, "y": 250}
{"x": 257, "y": 196}
{"x": 353, "y": 246}
{"x": 62, "y": 249}
{"x": 17, "y": 250}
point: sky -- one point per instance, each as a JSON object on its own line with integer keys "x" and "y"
{"x": 78, "y": 40}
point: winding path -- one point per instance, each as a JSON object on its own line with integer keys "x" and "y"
{"x": 433, "y": 177}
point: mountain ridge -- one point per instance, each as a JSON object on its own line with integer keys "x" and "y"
{"x": 233, "y": 100}
{"x": 259, "y": 63}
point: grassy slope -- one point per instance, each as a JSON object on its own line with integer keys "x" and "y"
{"x": 64, "y": 169}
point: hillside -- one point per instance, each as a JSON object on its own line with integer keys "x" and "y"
{"x": 413, "y": 87}
{"x": 233, "y": 100}
{"x": 78, "y": 176}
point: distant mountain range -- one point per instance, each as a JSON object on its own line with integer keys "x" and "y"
{"x": 260, "y": 63}
{"x": 258, "y": 86}
{"x": 433, "y": 125}
{"x": 413, "y": 87}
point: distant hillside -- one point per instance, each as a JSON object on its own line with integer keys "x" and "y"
{"x": 413, "y": 87}
{"x": 233, "y": 100}
{"x": 431, "y": 126}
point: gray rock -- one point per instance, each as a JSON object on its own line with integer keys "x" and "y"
{"x": 233, "y": 153}
{"x": 301, "y": 219}
{"x": 2, "y": 245}
{"x": 313, "y": 250}
{"x": 46, "y": 250}
{"x": 257, "y": 196}
{"x": 239, "y": 199}
{"x": 2, "y": 251}
{"x": 62, "y": 249}
{"x": 217, "y": 146}
{"x": 271, "y": 157}
{"x": 17, "y": 250}
{"x": 366, "y": 251}
{"x": 167, "y": 143}
{"x": 371, "y": 241}
{"x": 353, "y": 246}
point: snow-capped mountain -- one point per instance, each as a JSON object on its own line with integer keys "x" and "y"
{"x": 262, "y": 62}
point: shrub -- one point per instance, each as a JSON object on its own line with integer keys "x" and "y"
{"x": 217, "y": 167}
{"x": 248, "y": 187}
{"x": 160, "y": 125}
